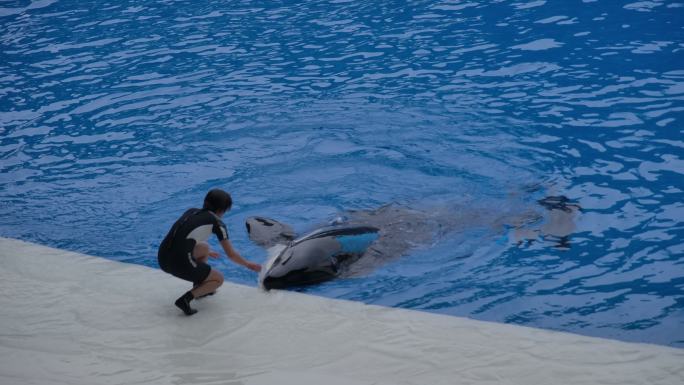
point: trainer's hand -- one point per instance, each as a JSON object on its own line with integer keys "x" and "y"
{"x": 214, "y": 254}
{"x": 254, "y": 267}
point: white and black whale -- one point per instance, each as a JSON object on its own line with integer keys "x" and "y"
{"x": 312, "y": 258}
{"x": 355, "y": 244}
{"x": 362, "y": 240}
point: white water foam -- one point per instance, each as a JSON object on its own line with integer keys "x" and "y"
{"x": 272, "y": 253}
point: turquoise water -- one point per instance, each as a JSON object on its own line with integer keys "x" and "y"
{"x": 117, "y": 116}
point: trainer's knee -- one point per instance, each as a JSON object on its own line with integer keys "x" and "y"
{"x": 216, "y": 276}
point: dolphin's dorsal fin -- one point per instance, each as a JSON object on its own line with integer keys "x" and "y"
{"x": 268, "y": 232}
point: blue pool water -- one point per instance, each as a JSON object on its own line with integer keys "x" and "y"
{"x": 117, "y": 116}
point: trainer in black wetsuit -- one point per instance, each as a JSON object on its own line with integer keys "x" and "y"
{"x": 184, "y": 251}
{"x": 175, "y": 252}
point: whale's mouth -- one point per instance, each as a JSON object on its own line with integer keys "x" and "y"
{"x": 272, "y": 283}
{"x": 294, "y": 278}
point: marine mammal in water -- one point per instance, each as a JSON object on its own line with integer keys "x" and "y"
{"x": 353, "y": 244}
{"x": 315, "y": 257}
{"x": 361, "y": 240}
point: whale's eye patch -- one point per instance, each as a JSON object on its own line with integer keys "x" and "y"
{"x": 264, "y": 222}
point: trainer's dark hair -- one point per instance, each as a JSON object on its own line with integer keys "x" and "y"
{"x": 217, "y": 200}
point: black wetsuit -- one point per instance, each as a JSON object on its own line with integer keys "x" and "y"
{"x": 175, "y": 251}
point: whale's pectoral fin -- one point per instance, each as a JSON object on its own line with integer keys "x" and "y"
{"x": 268, "y": 232}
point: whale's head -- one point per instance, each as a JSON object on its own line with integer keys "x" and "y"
{"x": 268, "y": 232}
{"x": 315, "y": 257}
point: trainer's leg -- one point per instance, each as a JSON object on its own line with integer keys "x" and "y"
{"x": 201, "y": 252}
{"x": 213, "y": 281}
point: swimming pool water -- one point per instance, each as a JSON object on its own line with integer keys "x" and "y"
{"x": 117, "y": 116}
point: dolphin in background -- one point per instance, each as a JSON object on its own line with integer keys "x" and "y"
{"x": 359, "y": 241}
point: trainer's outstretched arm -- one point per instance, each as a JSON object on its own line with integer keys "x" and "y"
{"x": 234, "y": 256}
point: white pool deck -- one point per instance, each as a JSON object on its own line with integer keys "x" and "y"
{"x": 68, "y": 318}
